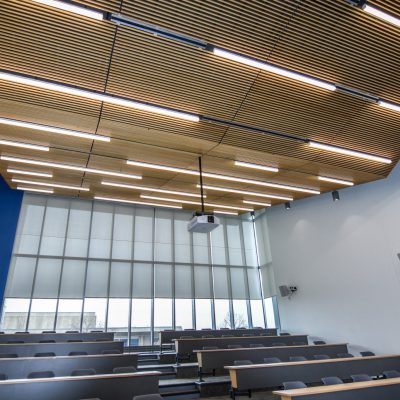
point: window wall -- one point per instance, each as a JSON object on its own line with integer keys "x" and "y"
{"x": 90, "y": 265}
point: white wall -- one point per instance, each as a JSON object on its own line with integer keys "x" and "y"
{"x": 343, "y": 257}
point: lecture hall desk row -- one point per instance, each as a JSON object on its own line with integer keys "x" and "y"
{"x": 383, "y": 389}
{"x": 186, "y": 347}
{"x": 104, "y": 387}
{"x": 59, "y": 349}
{"x": 262, "y": 376}
{"x": 56, "y": 337}
{"x": 20, "y": 368}
{"x": 218, "y": 359}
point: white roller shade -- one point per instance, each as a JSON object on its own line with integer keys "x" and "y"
{"x": 163, "y": 235}
{"x": 238, "y": 282}
{"x": 234, "y": 241}
{"x": 254, "y": 283}
{"x": 263, "y": 239}
{"x": 47, "y": 278}
{"x": 163, "y": 281}
{"x": 182, "y": 237}
{"x": 183, "y": 282}
{"x": 142, "y": 283}
{"x": 123, "y": 233}
{"x": 268, "y": 280}
{"x": 73, "y": 279}
{"x": 97, "y": 279}
{"x": 249, "y": 243}
{"x": 143, "y": 234}
{"x": 120, "y": 279}
{"x": 202, "y": 282}
{"x": 200, "y": 248}
{"x": 20, "y": 278}
{"x": 221, "y": 283}
{"x": 218, "y": 244}
{"x": 100, "y": 234}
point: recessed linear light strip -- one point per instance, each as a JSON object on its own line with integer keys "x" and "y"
{"x": 334, "y": 180}
{"x": 149, "y": 189}
{"x": 143, "y": 196}
{"x": 69, "y": 167}
{"x": 222, "y": 177}
{"x": 91, "y": 94}
{"x": 225, "y": 212}
{"x": 53, "y": 185}
{"x": 256, "y": 166}
{"x": 23, "y": 145}
{"x": 246, "y": 192}
{"x": 31, "y": 173}
{"x": 27, "y": 189}
{"x": 68, "y": 89}
{"x": 76, "y": 9}
{"x": 233, "y": 56}
{"x": 53, "y": 129}
{"x": 135, "y": 202}
{"x": 341, "y": 150}
{"x": 257, "y": 203}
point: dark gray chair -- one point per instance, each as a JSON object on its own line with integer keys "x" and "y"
{"x": 319, "y": 342}
{"x": 48, "y": 331}
{"x": 124, "y": 370}
{"x": 242, "y": 362}
{"x": 297, "y": 358}
{"x": 300, "y": 344}
{"x": 83, "y": 372}
{"x": 361, "y": 378}
{"x": 98, "y": 331}
{"x": 74, "y": 340}
{"x": 234, "y": 346}
{"x": 21, "y": 332}
{"x": 331, "y": 380}
{"x": 148, "y": 397}
{"x": 278, "y": 344}
{"x": 47, "y": 341}
{"x": 294, "y": 385}
{"x": 345, "y": 355}
{"x": 272, "y": 360}
{"x": 110, "y": 352}
{"x": 391, "y": 374}
{"x": 247, "y": 335}
{"x": 77, "y": 353}
{"x": 15, "y": 341}
{"x": 285, "y": 334}
{"x": 207, "y": 336}
{"x": 72, "y": 332}
{"x": 8, "y": 355}
{"x": 367, "y": 353}
{"x": 321, "y": 357}
{"x": 45, "y": 354}
{"x": 256, "y": 345}
{"x": 3, "y": 377}
{"x": 210, "y": 347}
{"x": 41, "y": 374}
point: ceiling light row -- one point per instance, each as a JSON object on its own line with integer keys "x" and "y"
{"x": 53, "y": 185}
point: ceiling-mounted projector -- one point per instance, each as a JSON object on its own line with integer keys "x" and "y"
{"x": 203, "y": 222}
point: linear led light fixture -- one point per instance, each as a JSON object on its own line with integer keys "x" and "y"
{"x": 257, "y": 203}
{"x": 390, "y": 106}
{"x": 256, "y": 166}
{"x": 53, "y": 129}
{"x": 225, "y": 212}
{"x": 246, "y": 192}
{"x": 334, "y": 180}
{"x": 24, "y": 145}
{"x": 28, "y": 189}
{"x": 74, "y": 8}
{"x": 93, "y": 95}
{"x": 222, "y": 177}
{"x": 31, "y": 173}
{"x": 143, "y": 196}
{"x": 135, "y": 202}
{"x": 149, "y": 189}
{"x": 253, "y": 62}
{"x": 375, "y": 11}
{"x": 68, "y": 167}
{"x": 53, "y": 185}
{"x": 348, "y": 152}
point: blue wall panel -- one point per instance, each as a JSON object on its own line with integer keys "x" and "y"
{"x": 10, "y": 206}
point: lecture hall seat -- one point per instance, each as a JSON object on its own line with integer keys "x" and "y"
{"x": 367, "y": 353}
{"x": 83, "y": 372}
{"x": 124, "y": 370}
{"x": 272, "y": 360}
{"x": 235, "y": 346}
{"x": 242, "y": 362}
{"x": 278, "y": 344}
{"x": 256, "y": 345}
{"x": 391, "y": 374}
{"x": 360, "y": 378}
{"x": 3, "y": 377}
{"x": 45, "y": 354}
{"x": 108, "y": 352}
{"x": 345, "y": 355}
{"x": 297, "y": 358}
{"x": 210, "y": 347}
{"x": 154, "y": 396}
{"x": 317, "y": 342}
{"x": 294, "y": 385}
{"x": 331, "y": 380}
{"x": 41, "y": 374}
{"x": 300, "y": 344}
{"x": 77, "y": 353}
{"x": 321, "y": 357}
{"x": 8, "y": 355}
{"x": 284, "y": 334}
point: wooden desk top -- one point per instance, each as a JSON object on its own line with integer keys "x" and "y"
{"x": 292, "y": 363}
{"x": 268, "y": 347}
{"x": 294, "y": 393}
{"x": 241, "y": 337}
{"x": 80, "y": 378}
{"x": 57, "y": 343}
{"x": 67, "y": 357}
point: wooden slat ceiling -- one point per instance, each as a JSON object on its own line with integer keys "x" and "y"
{"x": 327, "y": 39}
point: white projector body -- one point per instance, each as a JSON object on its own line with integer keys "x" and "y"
{"x": 203, "y": 223}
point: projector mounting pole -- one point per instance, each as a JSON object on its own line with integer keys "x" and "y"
{"x": 201, "y": 186}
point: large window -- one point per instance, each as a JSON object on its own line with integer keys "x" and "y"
{"x": 90, "y": 265}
